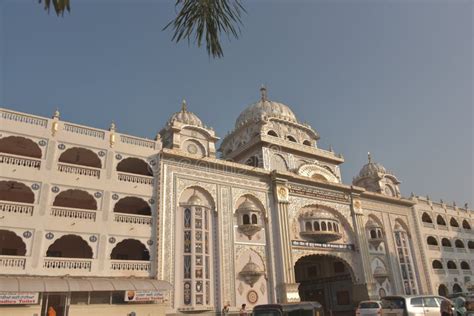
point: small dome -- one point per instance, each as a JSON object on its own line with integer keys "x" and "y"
{"x": 185, "y": 117}
{"x": 265, "y": 108}
{"x": 248, "y": 205}
{"x": 371, "y": 168}
{"x": 195, "y": 200}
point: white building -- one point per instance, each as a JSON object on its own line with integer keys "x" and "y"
{"x": 88, "y": 215}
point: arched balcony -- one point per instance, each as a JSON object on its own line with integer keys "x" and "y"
{"x": 69, "y": 252}
{"x": 470, "y": 245}
{"x": 453, "y": 223}
{"x": 20, "y": 151}
{"x": 375, "y": 234}
{"x": 132, "y": 210}
{"x": 457, "y": 288}
{"x": 16, "y": 197}
{"x": 12, "y": 251}
{"x": 446, "y": 243}
{"x": 319, "y": 226}
{"x": 443, "y": 290}
{"x": 459, "y": 244}
{"x": 466, "y": 269}
{"x": 130, "y": 255}
{"x": 451, "y": 265}
{"x": 426, "y": 219}
{"x": 80, "y": 161}
{"x": 76, "y": 204}
{"x": 437, "y": 265}
{"x": 249, "y": 218}
{"x": 272, "y": 133}
{"x": 441, "y": 222}
{"x": 432, "y": 243}
{"x": 134, "y": 170}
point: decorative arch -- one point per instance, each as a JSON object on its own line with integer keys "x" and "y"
{"x": 11, "y": 244}
{"x": 134, "y": 165}
{"x": 194, "y": 147}
{"x": 202, "y": 192}
{"x": 426, "y": 218}
{"x": 14, "y": 191}
{"x": 253, "y": 161}
{"x": 375, "y": 219}
{"x": 20, "y": 146}
{"x": 130, "y": 249}
{"x": 81, "y": 156}
{"x": 307, "y": 143}
{"x": 241, "y": 251}
{"x": 451, "y": 265}
{"x": 291, "y": 138}
{"x": 272, "y": 133}
{"x": 443, "y": 290}
{"x": 466, "y": 225}
{"x": 465, "y": 265}
{"x": 70, "y": 246}
{"x": 252, "y": 198}
{"x": 278, "y": 163}
{"x": 445, "y": 242}
{"x": 309, "y": 170}
{"x": 440, "y": 220}
{"x": 324, "y": 255}
{"x": 132, "y": 205}
{"x": 75, "y": 198}
{"x": 457, "y": 288}
{"x": 453, "y": 222}
{"x": 470, "y": 244}
{"x": 458, "y": 243}
{"x": 437, "y": 264}
{"x": 401, "y": 225}
{"x": 432, "y": 241}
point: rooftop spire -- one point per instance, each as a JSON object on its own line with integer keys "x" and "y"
{"x": 263, "y": 92}
{"x": 369, "y": 157}
{"x": 184, "y": 106}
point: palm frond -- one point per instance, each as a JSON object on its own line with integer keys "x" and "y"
{"x": 60, "y": 6}
{"x": 207, "y": 19}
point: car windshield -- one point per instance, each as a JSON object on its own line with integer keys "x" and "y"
{"x": 393, "y": 303}
{"x": 267, "y": 312}
{"x": 368, "y": 305}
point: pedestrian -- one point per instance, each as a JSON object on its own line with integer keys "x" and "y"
{"x": 446, "y": 308}
{"x": 460, "y": 306}
{"x": 243, "y": 311}
{"x": 225, "y": 310}
{"x": 51, "y": 311}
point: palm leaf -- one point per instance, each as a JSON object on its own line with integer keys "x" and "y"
{"x": 208, "y": 19}
{"x": 60, "y": 6}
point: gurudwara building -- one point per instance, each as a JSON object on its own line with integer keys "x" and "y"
{"x": 94, "y": 221}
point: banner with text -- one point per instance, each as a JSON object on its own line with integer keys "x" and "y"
{"x": 143, "y": 296}
{"x": 309, "y": 244}
{"x": 18, "y": 298}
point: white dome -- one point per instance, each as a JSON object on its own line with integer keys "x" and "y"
{"x": 185, "y": 117}
{"x": 265, "y": 108}
{"x": 371, "y": 168}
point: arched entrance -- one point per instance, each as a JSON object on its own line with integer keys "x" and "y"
{"x": 328, "y": 280}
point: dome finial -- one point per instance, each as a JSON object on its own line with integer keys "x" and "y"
{"x": 263, "y": 92}
{"x": 369, "y": 157}
{"x": 184, "y": 106}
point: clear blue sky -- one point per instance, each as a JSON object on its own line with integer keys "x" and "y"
{"x": 391, "y": 77}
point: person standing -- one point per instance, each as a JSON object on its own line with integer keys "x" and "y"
{"x": 225, "y": 310}
{"x": 446, "y": 308}
{"x": 243, "y": 311}
{"x": 51, "y": 311}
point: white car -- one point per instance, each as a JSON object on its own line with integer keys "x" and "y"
{"x": 420, "y": 305}
{"x": 369, "y": 308}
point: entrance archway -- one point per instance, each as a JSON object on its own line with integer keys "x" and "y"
{"x": 328, "y": 280}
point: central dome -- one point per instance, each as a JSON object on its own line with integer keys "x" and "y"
{"x": 185, "y": 117}
{"x": 265, "y": 108}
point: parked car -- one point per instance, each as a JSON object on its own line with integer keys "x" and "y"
{"x": 369, "y": 308}
{"x": 428, "y": 305}
{"x": 289, "y": 309}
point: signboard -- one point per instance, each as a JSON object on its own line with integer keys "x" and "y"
{"x": 309, "y": 244}
{"x": 18, "y": 298}
{"x": 143, "y": 296}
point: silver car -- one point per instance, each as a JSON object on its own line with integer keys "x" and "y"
{"x": 369, "y": 308}
{"x": 419, "y": 305}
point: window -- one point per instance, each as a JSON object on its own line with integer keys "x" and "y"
{"x": 254, "y": 219}
{"x": 437, "y": 264}
{"x": 308, "y": 226}
{"x": 465, "y": 225}
{"x": 246, "y": 219}
{"x": 445, "y": 242}
{"x": 440, "y": 220}
{"x": 101, "y": 297}
{"x": 453, "y": 222}
{"x": 451, "y": 265}
{"x": 316, "y": 226}
{"x": 291, "y": 138}
{"x": 425, "y": 218}
{"x": 272, "y": 133}
{"x": 417, "y": 302}
{"x": 343, "y": 298}
{"x": 432, "y": 241}
{"x": 80, "y": 298}
{"x": 402, "y": 242}
{"x": 430, "y": 302}
{"x": 459, "y": 244}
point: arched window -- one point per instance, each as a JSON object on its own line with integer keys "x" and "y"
{"x": 132, "y": 205}
{"x": 437, "y": 264}
{"x": 373, "y": 234}
{"x": 11, "y": 244}
{"x": 323, "y": 226}
{"x": 336, "y": 227}
{"x": 130, "y": 249}
{"x": 20, "y": 146}
{"x": 272, "y": 133}
{"x": 307, "y": 143}
{"x": 457, "y": 288}
{"x": 405, "y": 259}
{"x": 316, "y": 226}
{"x": 440, "y": 220}
{"x": 308, "y": 226}
{"x": 252, "y": 161}
{"x": 459, "y": 244}
{"x": 426, "y": 218}
{"x": 16, "y": 192}
{"x": 246, "y": 219}
{"x": 80, "y": 156}
{"x": 443, "y": 290}
{"x": 453, "y": 222}
{"x": 75, "y": 199}
{"x": 254, "y": 219}
{"x": 379, "y": 233}
{"x": 431, "y": 241}
{"x": 445, "y": 242}
{"x": 465, "y": 265}
{"x": 70, "y": 246}
{"x": 470, "y": 244}
{"x": 329, "y": 226}
{"x": 465, "y": 224}
{"x": 451, "y": 265}
{"x": 291, "y": 138}
{"x": 134, "y": 165}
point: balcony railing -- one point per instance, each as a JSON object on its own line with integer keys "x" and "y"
{"x": 443, "y": 227}
{"x": 82, "y": 130}
{"x": 430, "y": 225}
{"x": 134, "y": 178}
{"x": 137, "y": 141}
{"x": 16, "y": 207}
{"x": 22, "y": 161}
{"x": 466, "y": 271}
{"x": 453, "y": 271}
{"x": 433, "y": 247}
{"x": 73, "y": 213}
{"x": 439, "y": 271}
{"x": 130, "y": 265}
{"x": 448, "y": 249}
{"x": 68, "y": 264}
{"x": 12, "y": 262}
{"x": 460, "y": 249}
{"x": 80, "y": 170}
{"x": 24, "y": 118}
{"x": 132, "y": 219}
